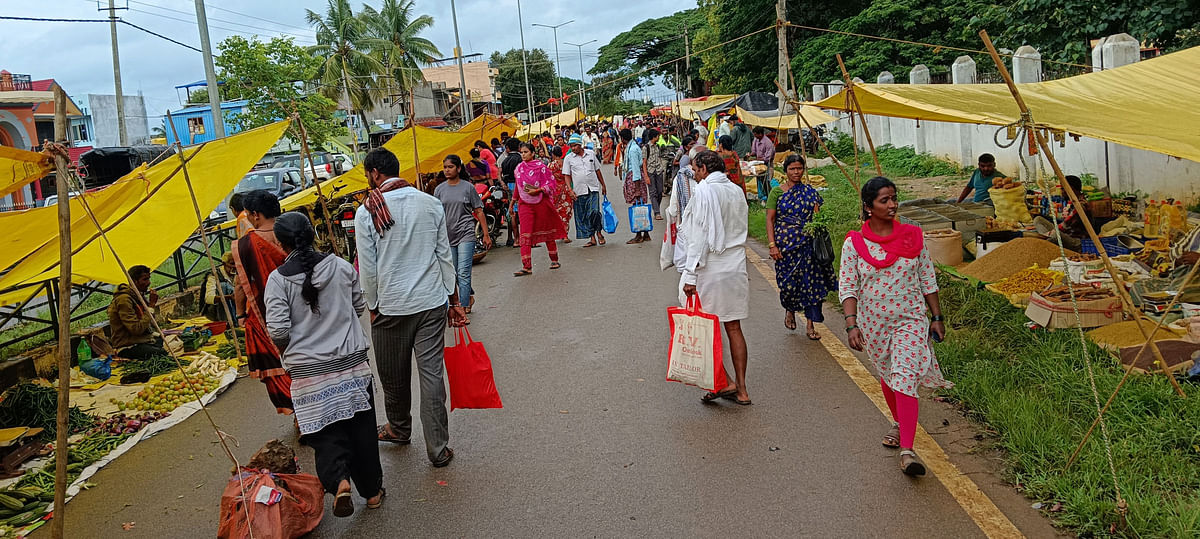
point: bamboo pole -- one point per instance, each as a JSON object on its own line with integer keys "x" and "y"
{"x": 212, "y": 264}
{"x": 858, "y": 108}
{"x": 1079, "y": 208}
{"x": 321, "y": 200}
{"x": 61, "y": 174}
{"x": 796, "y": 105}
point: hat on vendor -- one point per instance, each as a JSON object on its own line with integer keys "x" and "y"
{"x": 575, "y": 139}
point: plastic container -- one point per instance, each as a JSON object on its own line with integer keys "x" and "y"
{"x": 1153, "y": 220}
{"x": 84, "y": 352}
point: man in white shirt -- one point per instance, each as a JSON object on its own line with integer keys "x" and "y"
{"x": 723, "y": 127}
{"x": 409, "y": 284}
{"x": 582, "y": 170}
{"x": 591, "y": 140}
{"x": 714, "y": 228}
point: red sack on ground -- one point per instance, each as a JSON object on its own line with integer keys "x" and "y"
{"x": 275, "y": 506}
{"x": 469, "y": 371}
{"x": 695, "y": 354}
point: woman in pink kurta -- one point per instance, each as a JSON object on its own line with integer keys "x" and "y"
{"x": 539, "y": 220}
{"x": 887, "y": 285}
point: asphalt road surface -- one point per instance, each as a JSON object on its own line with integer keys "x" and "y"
{"x": 591, "y": 440}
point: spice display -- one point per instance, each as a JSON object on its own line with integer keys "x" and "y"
{"x": 1124, "y": 334}
{"x": 1026, "y": 281}
{"x": 1082, "y": 293}
{"x": 1013, "y": 256}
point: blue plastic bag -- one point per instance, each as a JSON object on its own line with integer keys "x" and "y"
{"x": 610, "y": 217}
{"x": 641, "y": 218}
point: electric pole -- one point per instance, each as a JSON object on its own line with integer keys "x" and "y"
{"x": 781, "y": 35}
{"x": 210, "y": 73}
{"x": 557, "y": 61}
{"x": 112, "y": 28}
{"x": 525, "y": 65}
{"x": 464, "y": 95}
{"x": 582, "y": 74}
{"x": 687, "y": 60}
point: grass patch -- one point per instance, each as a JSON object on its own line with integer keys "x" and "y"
{"x": 1032, "y": 388}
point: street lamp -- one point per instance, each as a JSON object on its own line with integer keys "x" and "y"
{"x": 525, "y": 66}
{"x": 583, "y": 92}
{"x": 557, "y": 63}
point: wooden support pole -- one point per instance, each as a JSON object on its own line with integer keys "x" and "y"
{"x": 1080, "y": 209}
{"x": 321, "y": 200}
{"x": 212, "y": 264}
{"x": 796, "y": 105}
{"x": 858, "y": 108}
{"x": 62, "y": 171}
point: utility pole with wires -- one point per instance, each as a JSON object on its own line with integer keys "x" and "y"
{"x": 687, "y": 59}
{"x": 210, "y": 73}
{"x": 781, "y": 36}
{"x": 557, "y": 61}
{"x": 525, "y": 66}
{"x": 116, "y": 61}
{"x": 464, "y": 94}
{"x": 582, "y": 74}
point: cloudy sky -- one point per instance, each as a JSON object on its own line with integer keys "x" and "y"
{"x": 78, "y": 55}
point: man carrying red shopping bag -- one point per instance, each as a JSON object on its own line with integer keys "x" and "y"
{"x": 714, "y": 270}
{"x": 469, "y": 373}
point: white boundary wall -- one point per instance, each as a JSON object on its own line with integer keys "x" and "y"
{"x": 1123, "y": 169}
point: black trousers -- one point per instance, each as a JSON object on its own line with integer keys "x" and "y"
{"x": 349, "y": 449}
{"x": 145, "y": 350}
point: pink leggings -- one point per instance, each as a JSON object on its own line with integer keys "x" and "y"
{"x": 904, "y": 412}
{"x": 527, "y": 253}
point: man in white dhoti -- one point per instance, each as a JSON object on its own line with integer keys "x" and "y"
{"x": 714, "y": 230}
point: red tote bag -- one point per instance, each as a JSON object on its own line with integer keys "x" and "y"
{"x": 695, "y": 355}
{"x": 469, "y": 372}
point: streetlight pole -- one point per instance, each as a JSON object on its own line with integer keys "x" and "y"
{"x": 557, "y": 62}
{"x": 525, "y": 65}
{"x": 583, "y": 93}
{"x": 464, "y": 95}
{"x": 210, "y": 74}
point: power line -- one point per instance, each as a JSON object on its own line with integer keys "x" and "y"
{"x": 156, "y": 34}
{"x": 190, "y": 14}
{"x": 259, "y": 18}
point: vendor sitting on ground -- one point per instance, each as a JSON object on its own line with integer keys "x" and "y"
{"x": 981, "y": 179}
{"x": 213, "y": 310}
{"x": 1072, "y": 223}
{"x": 131, "y": 323}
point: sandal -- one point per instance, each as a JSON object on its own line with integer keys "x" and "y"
{"x": 523, "y": 273}
{"x": 892, "y": 438}
{"x": 634, "y": 240}
{"x": 445, "y": 458}
{"x": 590, "y": 244}
{"x": 910, "y": 464}
{"x": 813, "y": 335}
{"x": 343, "y": 504}
{"x": 789, "y": 321}
{"x": 712, "y": 396}
{"x": 382, "y": 494}
{"x": 602, "y": 242}
{"x": 555, "y": 265}
{"x": 385, "y": 435}
{"x": 566, "y": 240}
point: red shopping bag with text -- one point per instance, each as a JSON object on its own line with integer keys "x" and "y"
{"x": 469, "y": 372}
{"x": 695, "y": 355}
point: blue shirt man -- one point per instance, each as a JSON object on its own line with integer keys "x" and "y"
{"x": 981, "y": 179}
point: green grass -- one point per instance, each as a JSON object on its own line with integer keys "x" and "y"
{"x": 1031, "y": 387}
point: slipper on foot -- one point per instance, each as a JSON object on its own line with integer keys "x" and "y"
{"x": 343, "y": 505}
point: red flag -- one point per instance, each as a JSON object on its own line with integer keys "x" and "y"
{"x": 552, "y": 101}
{"x": 566, "y": 97}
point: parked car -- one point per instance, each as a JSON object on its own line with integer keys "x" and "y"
{"x": 52, "y": 200}
{"x": 327, "y": 166}
{"x": 282, "y": 181}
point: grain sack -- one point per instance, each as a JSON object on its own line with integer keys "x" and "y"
{"x": 1010, "y": 204}
{"x": 945, "y": 246}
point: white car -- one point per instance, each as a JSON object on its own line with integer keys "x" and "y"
{"x": 52, "y": 200}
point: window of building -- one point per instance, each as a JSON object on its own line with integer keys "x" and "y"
{"x": 79, "y": 132}
{"x": 196, "y": 126}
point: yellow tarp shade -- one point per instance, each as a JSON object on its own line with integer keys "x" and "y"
{"x": 160, "y": 218}
{"x": 1148, "y": 105}
{"x": 565, "y": 118}
{"x": 814, "y": 116}
{"x": 431, "y": 144}
{"x": 20, "y": 167}
{"x": 685, "y": 108}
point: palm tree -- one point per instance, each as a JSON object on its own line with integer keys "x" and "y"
{"x": 396, "y": 40}
{"x": 348, "y": 71}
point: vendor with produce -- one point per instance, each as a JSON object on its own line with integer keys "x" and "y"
{"x": 131, "y": 323}
{"x": 982, "y": 179}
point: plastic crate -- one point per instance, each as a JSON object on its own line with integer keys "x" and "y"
{"x": 1112, "y": 245}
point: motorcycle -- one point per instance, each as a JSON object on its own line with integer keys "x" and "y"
{"x": 812, "y": 145}
{"x": 495, "y": 200}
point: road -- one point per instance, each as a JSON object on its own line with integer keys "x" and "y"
{"x": 591, "y": 440}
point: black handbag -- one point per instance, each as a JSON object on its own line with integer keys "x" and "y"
{"x": 822, "y": 246}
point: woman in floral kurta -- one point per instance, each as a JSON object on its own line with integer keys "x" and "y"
{"x": 887, "y": 285}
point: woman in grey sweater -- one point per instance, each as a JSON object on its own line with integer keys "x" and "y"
{"x": 313, "y": 302}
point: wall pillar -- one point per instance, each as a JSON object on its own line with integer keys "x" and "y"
{"x": 1027, "y": 68}
{"x": 963, "y": 72}
{"x": 1118, "y": 50}
{"x": 919, "y": 75}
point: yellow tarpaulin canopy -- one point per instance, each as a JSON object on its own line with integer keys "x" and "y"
{"x": 684, "y": 108}
{"x": 148, "y": 214}
{"x": 814, "y": 116}
{"x": 19, "y": 167}
{"x": 1148, "y": 105}
{"x": 432, "y": 145}
{"x": 565, "y": 118}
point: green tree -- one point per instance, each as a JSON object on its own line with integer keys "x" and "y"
{"x": 276, "y": 79}
{"x": 397, "y": 42}
{"x": 198, "y": 96}
{"x": 510, "y": 81}
{"x": 347, "y": 67}
{"x": 649, "y": 46}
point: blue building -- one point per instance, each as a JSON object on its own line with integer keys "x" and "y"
{"x": 195, "y": 122}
